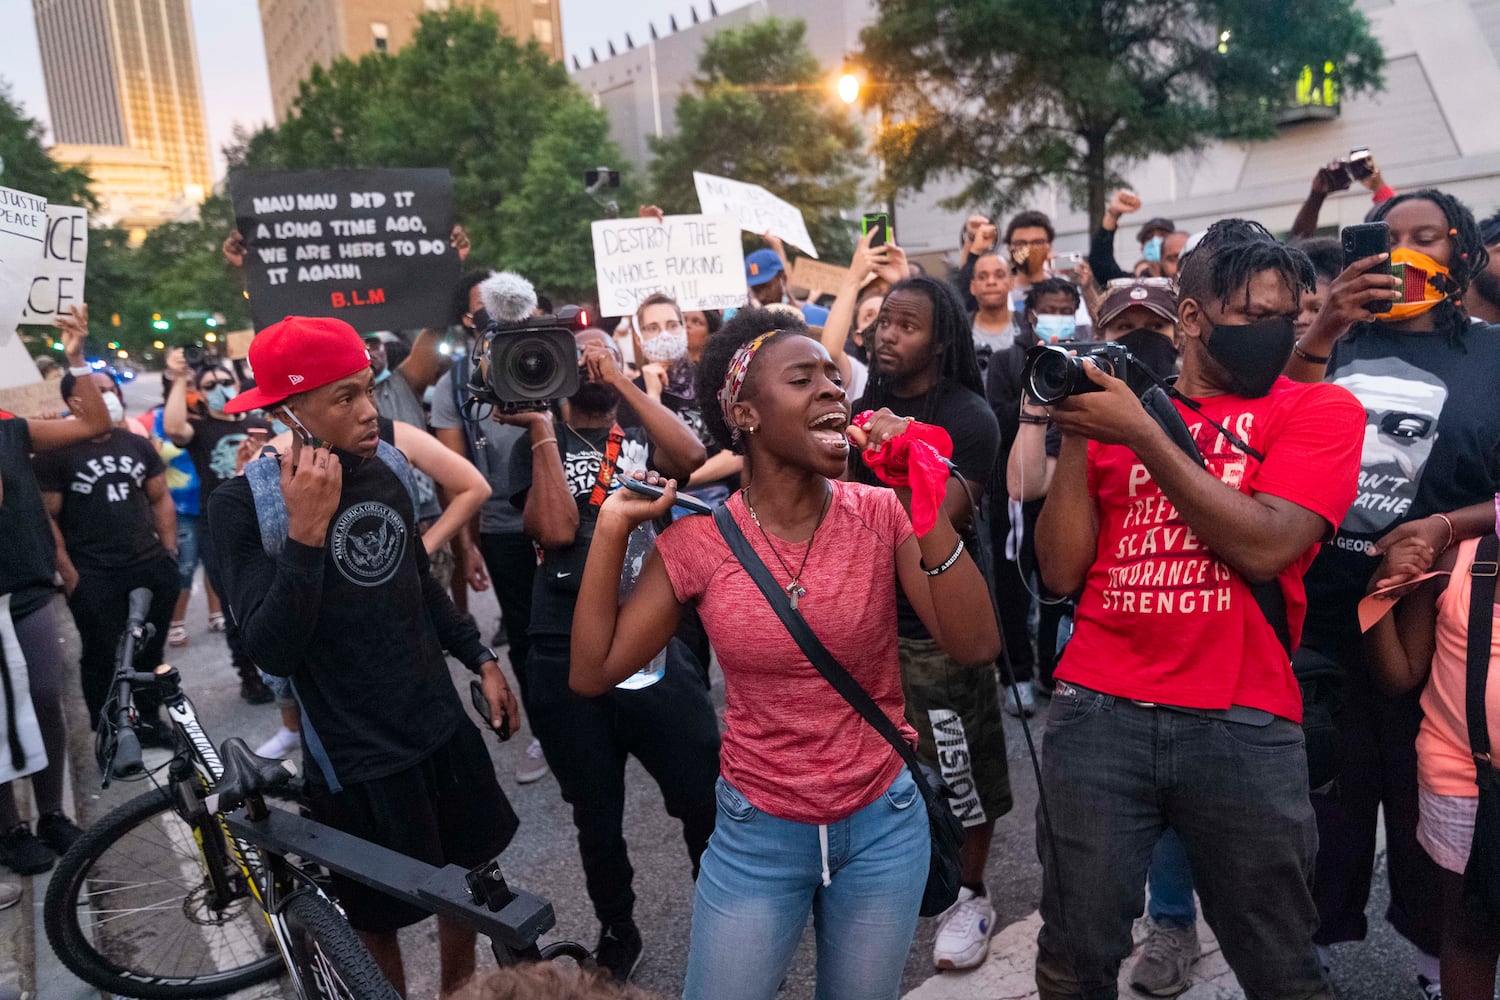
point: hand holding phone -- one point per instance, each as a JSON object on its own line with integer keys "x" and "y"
{"x": 1368, "y": 240}
{"x": 482, "y": 706}
{"x": 880, "y": 224}
{"x": 690, "y": 504}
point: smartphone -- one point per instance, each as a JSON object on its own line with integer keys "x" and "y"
{"x": 482, "y": 706}
{"x": 1366, "y": 240}
{"x": 688, "y": 503}
{"x": 880, "y": 223}
{"x": 1360, "y": 164}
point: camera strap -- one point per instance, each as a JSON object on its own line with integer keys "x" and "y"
{"x": 607, "y": 460}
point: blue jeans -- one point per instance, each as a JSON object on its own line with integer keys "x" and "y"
{"x": 1171, "y": 882}
{"x": 762, "y": 876}
{"x": 1117, "y": 776}
{"x": 187, "y": 549}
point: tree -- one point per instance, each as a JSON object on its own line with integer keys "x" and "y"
{"x": 25, "y": 164}
{"x": 762, "y": 111}
{"x": 1009, "y": 94}
{"x": 505, "y": 118}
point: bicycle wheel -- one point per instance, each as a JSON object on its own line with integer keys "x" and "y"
{"x": 128, "y": 910}
{"x": 330, "y": 960}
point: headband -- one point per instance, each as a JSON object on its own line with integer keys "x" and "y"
{"x": 734, "y": 380}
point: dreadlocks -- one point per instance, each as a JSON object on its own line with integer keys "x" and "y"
{"x": 952, "y": 339}
{"x": 1232, "y": 252}
{"x": 1467, "y": 257}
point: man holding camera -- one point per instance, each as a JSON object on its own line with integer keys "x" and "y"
{"x": 330, "y": 586}
{"x": 1175, "y": 704}
{"x": 560, "y": 475}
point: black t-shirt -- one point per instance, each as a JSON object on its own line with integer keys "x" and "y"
{"x": 358, "y": 624}
{"x": 106, "y": 517}
{"x": 582, "y": 451}
{"x": 213, "y": 449}
{"x": 28, "y": 560}
{"x": 976, "y": 449}
{"x": 1432, "y": 445}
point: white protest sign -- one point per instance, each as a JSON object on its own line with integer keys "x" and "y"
{"x": 58, "y": 284}
{"x": 23, "y": 224}
{"x": 757, "y": 210}
{"x": 696, "y": 259}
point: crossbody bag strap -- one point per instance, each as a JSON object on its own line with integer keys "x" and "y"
{"x": 600, "y": 492}
{"x": 1481, "y": 629}
{"x": 812, "y": 647}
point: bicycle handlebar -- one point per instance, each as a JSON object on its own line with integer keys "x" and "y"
{"x": 140, "y": 607}
{"x": 125, "y": 761}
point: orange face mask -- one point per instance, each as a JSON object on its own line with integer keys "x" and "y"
{"x": 194, "y": 399}
{"x": 1424, "y": 283}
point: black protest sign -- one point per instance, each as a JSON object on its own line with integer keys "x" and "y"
{"x": 367, "y": 246}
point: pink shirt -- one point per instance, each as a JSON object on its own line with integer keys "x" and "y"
{"x": 1444, "y": 764}
{"x": 792, "y": 746}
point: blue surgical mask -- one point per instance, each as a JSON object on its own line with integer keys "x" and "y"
{"x": 219, "y": 396}
{"x": 1051, "y": 329}
{"x": 1151, "y": 250}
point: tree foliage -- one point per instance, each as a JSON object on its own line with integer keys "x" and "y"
{"x": 762, "y": 111}
{"x": 505, "y": 118}
{"x": 25, "y": 164}
{"x": 1010, "y": 94}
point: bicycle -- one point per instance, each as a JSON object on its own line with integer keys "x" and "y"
{"x": 235, "y": 898}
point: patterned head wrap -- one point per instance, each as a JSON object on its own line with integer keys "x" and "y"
{"x": 734, "y": 379}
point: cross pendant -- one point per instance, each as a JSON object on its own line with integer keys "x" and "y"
{"x": 795, "y": 590}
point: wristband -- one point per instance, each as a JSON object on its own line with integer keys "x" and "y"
{"x": 1027, "y": 418}
{"x": 1452, "y": 533}
{"x": 82, "y": 371}
{"x": 547, "y": 440}
{"x": 947, "y": 564}
{"x": 1315, "y": 359}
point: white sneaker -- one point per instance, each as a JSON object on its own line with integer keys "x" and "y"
{"x": 963, "y": 933}
{"x": 1028, "y": 700}
{"x": 533, "y": 766}
{"x": 282, "y": 744}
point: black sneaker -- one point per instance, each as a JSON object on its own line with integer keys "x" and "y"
{"x": 57, "y": 832}
{"x": 254, "y": 690}
{"x": 23, "y": 853}
{"x": 619, "y": 950}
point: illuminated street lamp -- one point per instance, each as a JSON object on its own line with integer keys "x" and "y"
{"x": 848, "y": 88}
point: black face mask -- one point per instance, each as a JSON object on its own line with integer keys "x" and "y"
{"x": 1153, "y": 350}
{"x": 1253, "y": 354}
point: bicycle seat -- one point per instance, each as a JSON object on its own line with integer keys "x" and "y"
{"x": 246, "y": 774}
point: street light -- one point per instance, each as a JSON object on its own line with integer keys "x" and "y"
{"x": 848, "y": 88}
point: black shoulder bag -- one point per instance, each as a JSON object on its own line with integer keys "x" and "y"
{"x": 1481, "y": 897}
{"x": 947, "y": 833}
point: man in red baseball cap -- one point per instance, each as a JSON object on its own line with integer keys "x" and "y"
{"x": 331, "y": 588}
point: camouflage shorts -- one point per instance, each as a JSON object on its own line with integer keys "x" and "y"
{"x": 956, "y": 712}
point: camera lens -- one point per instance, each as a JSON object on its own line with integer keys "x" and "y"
{"x": 532, "y": 366}
{"x": 1051, "y": 376}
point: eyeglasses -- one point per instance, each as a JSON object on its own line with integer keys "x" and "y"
{"x": 215, "y": 382}
{"x": 656, "y": 329}
{"x": 1029, "y": 244}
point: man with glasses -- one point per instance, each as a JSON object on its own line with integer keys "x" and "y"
{"x": 1028, "y": 242}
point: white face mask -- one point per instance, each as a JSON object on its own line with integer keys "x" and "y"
{"x": 115, "y": 407}
{"x": 666, "y": 347}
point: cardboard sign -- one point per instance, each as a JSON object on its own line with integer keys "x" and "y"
{"x": 237, "y": 344}
{"x": 34, "y": 400}
{"x": 367, "y": 246}
{"x": 758, "y": 210}
{"x": 809, "y": 274}
{"x": 696, "y": 259}
{"x": 58, "y": 284}
{"x": 23, "y": 227}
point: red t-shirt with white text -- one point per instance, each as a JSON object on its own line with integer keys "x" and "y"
{"x": 1161, "y": 618}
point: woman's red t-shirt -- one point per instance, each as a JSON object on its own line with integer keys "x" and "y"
{"x": 792, "y": 745}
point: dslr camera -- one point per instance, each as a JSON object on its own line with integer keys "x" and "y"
{"x": 1052, "y": 374}
{"x": 527, "y": 364}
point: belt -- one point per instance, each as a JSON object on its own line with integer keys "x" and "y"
{"x": 1239, "y": 714}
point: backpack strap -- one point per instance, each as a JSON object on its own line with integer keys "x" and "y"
{"x": 1482, "y": 574}
{"x": 264, "y": 476}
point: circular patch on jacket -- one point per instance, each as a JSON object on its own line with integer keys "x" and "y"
{"x": 369, "y": 539}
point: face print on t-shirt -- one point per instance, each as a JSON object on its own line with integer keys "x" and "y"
{"x": 223, "y": 458}
{"x": 1402, "y": 405}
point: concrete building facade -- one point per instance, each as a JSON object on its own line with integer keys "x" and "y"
{"x": 1433, "y": 125}
{"x": 300, "y": 34}
{"x": 124, "y": 73}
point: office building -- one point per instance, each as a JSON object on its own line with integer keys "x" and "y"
{"x": 300, "y": 34}
{"x": 124, "y": 73}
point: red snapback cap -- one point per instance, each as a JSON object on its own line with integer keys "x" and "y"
{"x": 297, "y": 354}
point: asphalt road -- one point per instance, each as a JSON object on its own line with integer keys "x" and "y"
{"x": 544, "y": 859}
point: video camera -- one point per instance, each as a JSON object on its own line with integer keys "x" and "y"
{"x": 1052, "y": 374}
{"x": 526, "y": 364}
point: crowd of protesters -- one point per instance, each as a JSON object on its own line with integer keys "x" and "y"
{"x": 1169, "y": 562}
